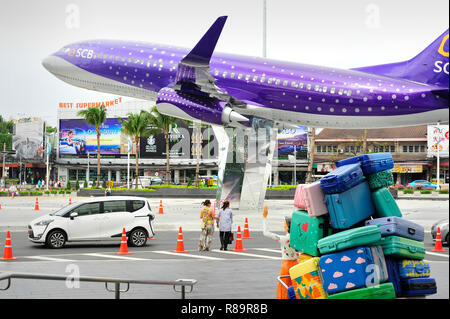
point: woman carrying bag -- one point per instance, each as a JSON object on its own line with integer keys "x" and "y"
{"x": 224, "y": 223}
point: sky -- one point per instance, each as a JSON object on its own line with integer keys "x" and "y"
{"x": 341, "y": 34}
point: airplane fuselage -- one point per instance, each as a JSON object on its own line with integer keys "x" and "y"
{"x": 286, "y": 92}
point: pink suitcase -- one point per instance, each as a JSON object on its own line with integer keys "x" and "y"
{"x": 314, "y": 199}
{"x": 299, "y": 199}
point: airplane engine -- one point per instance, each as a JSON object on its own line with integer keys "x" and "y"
{"x": 194, "y": 107}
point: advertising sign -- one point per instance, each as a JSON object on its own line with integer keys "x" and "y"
{"x": 28, "y": 139}
{"x": 290, "y": 139}
{"x": 437, "y": 139}
{"x": 78, "y": 138}
{"x": 402, "y": 169}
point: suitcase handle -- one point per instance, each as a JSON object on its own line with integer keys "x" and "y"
{"x": 411, "y": 231}
{"x": 419, "y": 268}
{"x": 412, "y": 249}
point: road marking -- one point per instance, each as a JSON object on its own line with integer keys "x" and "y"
{"x": 268, "y": 249}
{"x": 114, "y": 257}
{"x": 186, "y": 255}
{"x": 436, "y": 254}
{"x": 49, "y": 258}
{"x": 244, "y": 254}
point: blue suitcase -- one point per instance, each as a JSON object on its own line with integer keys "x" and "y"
{"x": 350, "y": 207}
{"x": 394, "y": 275}
{"x": 418, "y": 286}
{"x": 370, "y": 163}
{"x": 342, "y": 179}
{"x": 352, "y": 269}
{"x": 399, "y": 227}
{"x": 410, "y": 268}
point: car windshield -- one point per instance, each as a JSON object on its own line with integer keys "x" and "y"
{"x": 63, "y": 210}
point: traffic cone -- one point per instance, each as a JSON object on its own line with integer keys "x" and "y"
{"x": 246, "y": 230}
{"x": 8, "y": 255}
{"x": 123, "y": 245}
{"x": 0, "y": 206}
{"x": 239, "y": 241}
{"x": 180, "y": 244}
{"x": 438, "y": 242}
{"x": 161, "y": 211}
{"x": 70, "y": 201}
{"x": 36, "y": 206}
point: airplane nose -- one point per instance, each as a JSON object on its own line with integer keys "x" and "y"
{"x": 48, "y": 64}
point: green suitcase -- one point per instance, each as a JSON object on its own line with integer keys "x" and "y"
{"x": 360, "y": 236}
{"x": 380, "y": 179}
{"x": 402, "y": 248}
{"x": 383, "y": 291}
{"x": 385, "y": 204}
{"x": 306, "y": 231}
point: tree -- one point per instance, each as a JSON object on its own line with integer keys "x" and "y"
{"x": 309, "y": 175}
{"x": 95, "y": 116}
{"x": 136, "y": 126}
{"x": 163, "y": 123}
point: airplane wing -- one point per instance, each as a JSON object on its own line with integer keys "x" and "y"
{"x": 194, "y": 93}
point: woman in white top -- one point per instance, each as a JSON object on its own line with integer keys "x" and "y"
{"x": 289, "y": 256}
{"x": 224, "y": 223}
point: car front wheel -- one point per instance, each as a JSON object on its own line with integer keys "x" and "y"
{"x": 56, "y": 239}
{"x": 137, "y": 238}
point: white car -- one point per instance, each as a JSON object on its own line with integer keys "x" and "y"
{"x": 95, "y": 219}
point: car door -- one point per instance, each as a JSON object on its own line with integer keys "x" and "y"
{"x": 85, "y": 226}
{"x": 115, "y": 217}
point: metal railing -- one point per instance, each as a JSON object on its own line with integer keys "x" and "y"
{"x": 183, "y": 283}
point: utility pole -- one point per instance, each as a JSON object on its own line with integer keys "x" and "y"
{"x": 264, "y": 28}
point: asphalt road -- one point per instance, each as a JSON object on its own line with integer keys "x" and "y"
{"x": 220, "y": 275}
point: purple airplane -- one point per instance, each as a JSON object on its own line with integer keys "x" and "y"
{"x": 225, "y": 89}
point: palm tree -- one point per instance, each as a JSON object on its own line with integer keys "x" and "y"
{"x": 95, "y": 116}
{"x": 163, "y": 123}
{"x": 135, "y": 127}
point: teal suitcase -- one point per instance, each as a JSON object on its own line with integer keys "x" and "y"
{"x": 385, "y": 205}
{"x": 402, "y": 248}
{"x": 383, "y": 291}
{"x": 380, "y": 179}
{"x": 306, "y": 231}
{"x": 361, "y": 236}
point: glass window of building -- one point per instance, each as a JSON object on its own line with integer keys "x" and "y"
{"x": 416, "y": 148}
{"x": 392, "y": 148}
{"x": 405, "y": 149}
{"x": 422, "y": 148}
{"x": 411, "y": 148}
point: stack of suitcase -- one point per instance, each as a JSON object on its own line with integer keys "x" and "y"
{"x": 354, "y": 242}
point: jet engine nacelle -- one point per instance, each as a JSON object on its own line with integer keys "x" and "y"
{"x": 196, "y": 108}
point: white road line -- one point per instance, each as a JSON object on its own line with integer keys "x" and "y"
{"x": 268, "y": 249}
{"x": 244, "y": 254}
{"x": 49, "y": 258}
{"x": 114, "y": 256}
{"x": 186, "y": 255}
{"x": 436, "y": 254}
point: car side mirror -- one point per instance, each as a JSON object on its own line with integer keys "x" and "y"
{"x": 73, "y": 215}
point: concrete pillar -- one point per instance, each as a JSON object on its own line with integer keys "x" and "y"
{"x": 275, "y": 178}
{"x": 118, "y": 176}
{"x": 109, "y": 175}
{"x": 176, "y": 177}
{"x": 208, "y": 172}
{"x": 87, "y": 175}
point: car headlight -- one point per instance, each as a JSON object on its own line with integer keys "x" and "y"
{"x": 44, "y": 222}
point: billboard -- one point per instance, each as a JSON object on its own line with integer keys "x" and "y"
{"x": 28, "y": 139}
{"x": 180, "y": 143}
{"x": 78, "y": 139}
{"x": 437, "y": 136}
{"x": 289, "y": 140}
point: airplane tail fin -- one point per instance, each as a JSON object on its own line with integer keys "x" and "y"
{"x": 431, "y": 66}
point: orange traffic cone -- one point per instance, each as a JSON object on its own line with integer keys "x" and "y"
{"x": 246, "y": 231}
{"x": 438, "y": 242}
{"x": 239, "y": 241}
{"x": 124, "y": 245}
{"x": 70, "y": 201}
{"x": 8, "y": 255}
{"x": 161, "y": 211}
{"x": 0, "y": 206}
{"x": 180, "y": 244}
{"x": 36, "y": 206}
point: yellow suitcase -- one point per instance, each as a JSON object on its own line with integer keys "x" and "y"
{"x": 307, "y": 280}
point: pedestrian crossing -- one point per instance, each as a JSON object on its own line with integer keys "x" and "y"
{"x": 147, "y": 255}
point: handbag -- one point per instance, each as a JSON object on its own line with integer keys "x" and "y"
{"x": 230, "y": 238}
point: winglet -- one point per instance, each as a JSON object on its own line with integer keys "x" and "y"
{"x": 202, "y": 52}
